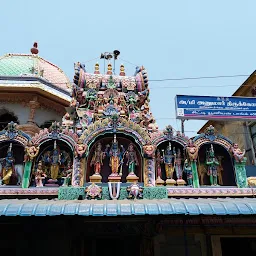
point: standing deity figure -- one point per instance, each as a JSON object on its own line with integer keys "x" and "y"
{"x": 220, "y": 170}
{"x": 116, "y": 157}
{"x": 7, "y": 166}
{"x": 66, "y": 175}
{"x": 212, "y": 163}
{"x": 97, "y": 159}
{"x": 55, "y": 162}
{"x": 178, "y": 167}
{"x": 132, "y": 160}
{"x": 188, "y": 172}
{"x": 31, "y": 151}
{"x": 159, "y": 160}
{"x": 168, "y": 157}
{"x": 39, "y": 175}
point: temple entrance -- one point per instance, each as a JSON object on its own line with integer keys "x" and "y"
{"x": 238, "y": 246}
{"x": 106, "y": 142}
{"x": 16, "y": 151}
{"x": 113, "y": 246}
{"x": 225, "y": 170}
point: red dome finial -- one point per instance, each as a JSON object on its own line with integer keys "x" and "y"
{"x": 34, "y": 49}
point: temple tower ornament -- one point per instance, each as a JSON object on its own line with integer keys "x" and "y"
{"x": 122, "y": 70}
{"x": 109, "y": 72}
{"x": 97, "y": 68}
{"x": 34, "y": 49}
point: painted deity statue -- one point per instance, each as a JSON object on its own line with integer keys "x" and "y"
{"x": 97, "y": 159}
{"x": 8, "y": 166}
{"x": 238, "y": 154}
{"x": 31, "y": 151}
{"x": 39, "y": 175}
{"x": 178, "y": 167}
{"x": 220, "y": 170}
{"x": 116, "y": 156}
{"x": 212, "y": 163}
{"x": 159, "y": 161}
{"x": 168, "y": 161}
{"x": 132, "y": 160}
{"x": 188, "y": 172}
{"x": 192, "y": 150}
{"x": 55, "y": 162}
{"x": 66, "y": 175}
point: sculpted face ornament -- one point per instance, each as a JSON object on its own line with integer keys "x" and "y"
{"x": 149, "y": 150}
{"x": 80, "y": 148}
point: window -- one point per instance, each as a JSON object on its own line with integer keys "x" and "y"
{"x": 6, "y": 117}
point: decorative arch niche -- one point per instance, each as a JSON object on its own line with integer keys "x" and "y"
{"x": 107, "y": 138}
{"x": 174, "y": 144}
{"x": 221, "y": 146}
{"x": 225, "y": 160}
{"x": 66, "y": 151}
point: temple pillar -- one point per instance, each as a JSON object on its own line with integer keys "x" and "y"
{"x": 195, "y": 174}
{"x": 30, "y": 127}
{"x": 149, "y": 172}
{"x": 33, "y": 105}
{"x": 26, "y": 175}
{"x": 241, "y": 177}
{"x": 149, "y": 165}
{"x": 79, "y": 164}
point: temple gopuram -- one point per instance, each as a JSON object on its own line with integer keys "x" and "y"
{"x": 85, "y": 170}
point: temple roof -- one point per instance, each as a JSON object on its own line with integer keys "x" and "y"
{"x": 31, "y": 65}
{"x": 191, "y": 206}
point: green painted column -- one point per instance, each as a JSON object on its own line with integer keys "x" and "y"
{"x": 195, "y": 174}
{"x": 240, "y": 171}
{"x": 26, "y": 175}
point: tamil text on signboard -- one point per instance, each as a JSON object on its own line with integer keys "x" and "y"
{"x": 213, "y": 107}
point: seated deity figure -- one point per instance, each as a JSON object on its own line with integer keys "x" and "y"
{"x": 132, "y": 160}
{"x": 97, "y": 159}
{"x": 116, "y": 156}
{"x": 40, "y": 175}
{"x": 7, "y": 166}
{"x": 212, "y": 163}
{"x": 168, "y": 157}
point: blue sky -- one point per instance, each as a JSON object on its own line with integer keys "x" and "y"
{"x": 172, "y": 39}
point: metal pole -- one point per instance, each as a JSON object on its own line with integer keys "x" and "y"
{"x": 182, "y": 126}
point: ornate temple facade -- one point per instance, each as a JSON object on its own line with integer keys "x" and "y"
{"x": 94, "y": 144}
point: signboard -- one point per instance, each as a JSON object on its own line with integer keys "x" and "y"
{"x": 214, "y": 108}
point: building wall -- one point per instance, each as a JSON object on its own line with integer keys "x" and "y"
{"x": 22, "y": 112}
{"x": 43, "y": 115}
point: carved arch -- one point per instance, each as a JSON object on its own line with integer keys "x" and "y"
{"x": 11, "y": 133}
{"x": 121, "y": 126}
